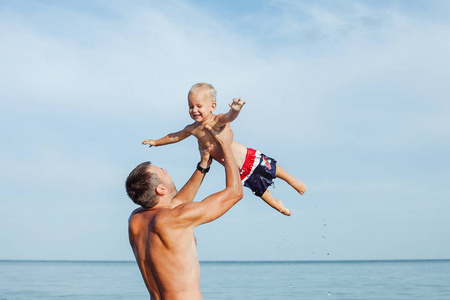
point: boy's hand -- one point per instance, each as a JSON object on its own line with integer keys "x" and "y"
{"x": 237, "y": 104}
{"x": 149, "y": 142}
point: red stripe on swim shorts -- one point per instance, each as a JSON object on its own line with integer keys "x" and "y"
{"x": 248, "y": 163}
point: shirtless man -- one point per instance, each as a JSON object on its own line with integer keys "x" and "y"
{"x": 161, "y": 231}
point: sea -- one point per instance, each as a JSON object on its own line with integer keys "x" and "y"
{"x": 309, "y": 280}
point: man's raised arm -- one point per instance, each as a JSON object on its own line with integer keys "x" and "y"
{"x": 190, "y": 189}
{"x": 219, "y": 203}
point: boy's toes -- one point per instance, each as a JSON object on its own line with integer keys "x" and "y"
{"x": 286, "y": 212}
{"x": 283, "y": 209}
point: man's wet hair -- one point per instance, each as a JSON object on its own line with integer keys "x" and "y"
{"x": 141, "y": 186}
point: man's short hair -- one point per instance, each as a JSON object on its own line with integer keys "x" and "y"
{"x": 203, "y": 86}
{"x": 141, "y": 186}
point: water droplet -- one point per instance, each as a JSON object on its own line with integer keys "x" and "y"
{"x": 328, "y": 253}
{"x": 290, "y": 285}
{"x": 323, "y": 237}
{"x": 329, "y": 294}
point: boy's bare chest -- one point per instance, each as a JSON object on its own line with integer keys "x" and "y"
{"x": 202, "y": 134}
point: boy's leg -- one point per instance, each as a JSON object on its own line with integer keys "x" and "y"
{"x": 294, "y": 182}
{"x": 277, "y": 204}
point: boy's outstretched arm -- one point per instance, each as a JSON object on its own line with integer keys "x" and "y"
{"x": 235, "y": 109}
{"x": 169, "y": 139}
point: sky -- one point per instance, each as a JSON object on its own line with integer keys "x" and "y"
{"x": 351, "y": 97}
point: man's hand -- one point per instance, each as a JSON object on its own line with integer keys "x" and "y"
{"x": 237, "y": 104}
{"x": 206, "y": 158}
{"x": 225, "y": 135}
{"x": 149, "y": 142}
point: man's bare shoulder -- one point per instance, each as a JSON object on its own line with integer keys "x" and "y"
{"x": 178, "y": 216}
{"x": 135, "y": 215}
{"x": 144, "y": 215}
{"x": 135, "y": 221}
{"x": 142, "y": 221}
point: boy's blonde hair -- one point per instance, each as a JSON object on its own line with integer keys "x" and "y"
{"x": 204, "y": 86}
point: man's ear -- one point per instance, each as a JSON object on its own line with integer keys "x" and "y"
{"x": 161, "y": 189}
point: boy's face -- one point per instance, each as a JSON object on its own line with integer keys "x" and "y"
{"x": 200, "y": 106}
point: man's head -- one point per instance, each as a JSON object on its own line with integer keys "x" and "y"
{"x": 147, "y": 183}
{"x": 202, "y": 102}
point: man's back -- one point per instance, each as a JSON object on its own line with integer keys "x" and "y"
{"x": 166, "y": 254}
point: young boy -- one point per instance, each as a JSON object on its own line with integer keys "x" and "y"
{"x": 256, "y": 169}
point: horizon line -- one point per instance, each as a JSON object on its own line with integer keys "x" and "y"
{"x": 235, "y": 261}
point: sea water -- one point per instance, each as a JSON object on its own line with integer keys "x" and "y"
{"x": 383, "y": 280}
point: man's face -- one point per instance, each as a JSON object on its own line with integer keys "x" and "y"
{"x": 165, "y": 179}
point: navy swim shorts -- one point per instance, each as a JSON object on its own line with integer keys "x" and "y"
{"x": 258, "y": 171}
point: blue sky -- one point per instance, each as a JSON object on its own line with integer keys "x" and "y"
{"x": 351, "y": 97}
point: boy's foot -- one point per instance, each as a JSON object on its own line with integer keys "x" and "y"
{"x": 299, "y": 186}
{"x": 282, "y": 209}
